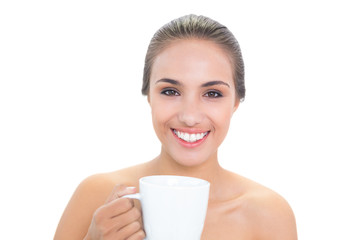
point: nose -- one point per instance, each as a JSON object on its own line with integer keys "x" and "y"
{"x": 190, "y": 113}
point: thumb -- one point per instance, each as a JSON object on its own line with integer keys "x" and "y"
{"x": 119, "y": 191}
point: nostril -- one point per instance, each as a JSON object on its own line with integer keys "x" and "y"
{"x": 190, "y": 119}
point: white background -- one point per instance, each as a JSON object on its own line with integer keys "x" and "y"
{"x": 70, "y": 104}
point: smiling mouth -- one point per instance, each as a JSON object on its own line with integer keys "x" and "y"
{"x": 190, "y": 137}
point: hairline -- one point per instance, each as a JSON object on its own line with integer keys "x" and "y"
{"x": 171, "y": 41}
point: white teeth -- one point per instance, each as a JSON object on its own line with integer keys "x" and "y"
{"x": 190, "y": 137}
{"x": 187, "y": 137}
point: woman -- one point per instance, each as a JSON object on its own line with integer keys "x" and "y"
{"x": 194, "y": 82}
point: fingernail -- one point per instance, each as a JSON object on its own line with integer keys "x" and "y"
{"x": 131, "y": 188}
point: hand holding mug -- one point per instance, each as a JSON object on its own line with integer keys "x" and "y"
{"x": 117, "y": 219}
{"x": 174, "y": 207}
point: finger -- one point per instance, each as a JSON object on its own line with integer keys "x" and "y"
{"x": 133, "y": 215}
{"x": 128, "y": 230}
{"x": 113, "y": 225}
{"x": 139, "y": 235}
{"x": 119, "y": 191}
{"x": 117, "y": 207}
{"x": 110, "y": 225}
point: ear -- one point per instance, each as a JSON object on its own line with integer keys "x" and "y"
{"x": 236, "y": 105}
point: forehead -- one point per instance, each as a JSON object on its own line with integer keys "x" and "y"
{"x": 193, "y": 59}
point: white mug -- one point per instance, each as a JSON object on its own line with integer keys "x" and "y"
{"x": 173, "y": 207}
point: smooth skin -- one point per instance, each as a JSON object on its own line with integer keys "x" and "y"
{"x": 192, "y": 91}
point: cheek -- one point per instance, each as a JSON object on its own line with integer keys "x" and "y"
{"x": 220, "y": 115}
{"x": 161, "y": 112}
{"x": 157, "y": 120}
{"x": 220, "y": 118}
{"x": 156, "y": 115}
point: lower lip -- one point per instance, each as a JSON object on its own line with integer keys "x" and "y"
{"x": 190, "y": 144}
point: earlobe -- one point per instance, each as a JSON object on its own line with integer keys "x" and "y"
{"x": 237, "y": 103}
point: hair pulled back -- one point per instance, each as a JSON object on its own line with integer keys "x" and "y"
{"x": 196, "y": 27}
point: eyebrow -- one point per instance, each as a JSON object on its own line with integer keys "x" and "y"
{"x": 212, "y": 83}
{"x": 207, "y": 84}
{"x": 168, "y": 80}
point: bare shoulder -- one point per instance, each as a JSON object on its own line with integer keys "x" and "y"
{"x": 248, "y": 210}
{"x": 90, "y": 194}
{"x": 271, "y": 215}
{"x": 96, "y": 188}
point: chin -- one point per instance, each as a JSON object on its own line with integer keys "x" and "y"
{"x": 190, "y": 161}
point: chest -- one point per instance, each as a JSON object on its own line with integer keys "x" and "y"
{"x": 227, "y": 222}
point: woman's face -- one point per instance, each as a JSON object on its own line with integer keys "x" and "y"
{"x": 192, "y": 98}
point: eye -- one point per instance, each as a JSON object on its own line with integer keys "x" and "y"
{"x": 213, "y": 94}
{"x": 170, "y": 92}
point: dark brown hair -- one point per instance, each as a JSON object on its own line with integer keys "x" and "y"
{"x": 198, "y": 27}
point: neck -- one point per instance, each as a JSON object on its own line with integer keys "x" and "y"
{"x": 210, "y": 170}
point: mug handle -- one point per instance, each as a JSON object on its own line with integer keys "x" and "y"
{"x": 133, "y": 196}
